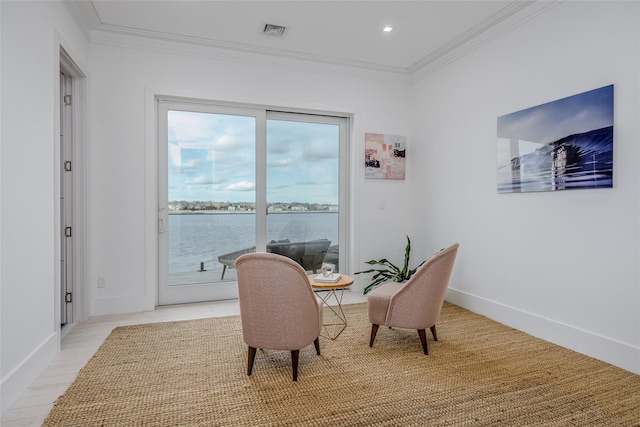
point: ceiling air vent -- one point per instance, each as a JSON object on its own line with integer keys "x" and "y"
{"x": 274, "y": 30}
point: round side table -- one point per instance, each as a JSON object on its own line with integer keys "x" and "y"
{"x": 327, "y": 293}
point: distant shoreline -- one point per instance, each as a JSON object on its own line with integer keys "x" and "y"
{"x": 210, "y": 212}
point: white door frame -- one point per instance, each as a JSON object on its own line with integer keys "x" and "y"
{"x": 160, "y": 211}
{"x": 78, "y": 196}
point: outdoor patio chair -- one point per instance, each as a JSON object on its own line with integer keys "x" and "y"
{"x": 310, "y": 254}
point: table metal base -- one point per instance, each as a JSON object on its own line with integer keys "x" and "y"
{"x": 339, "y": 322}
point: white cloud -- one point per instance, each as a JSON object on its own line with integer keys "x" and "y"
{"x": 191, "y": 164}
{"x": 200, "y": 180}
{"x": 241, "y": 186}
{"x": 281, "y": 163}
{"x": 226, "y": 143}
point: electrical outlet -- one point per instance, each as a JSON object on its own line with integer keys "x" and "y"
{"x": 382, "y": 204}
{"x": 101, "y": 283}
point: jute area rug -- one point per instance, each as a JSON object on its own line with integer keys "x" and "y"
{"x": 479, "y": 373}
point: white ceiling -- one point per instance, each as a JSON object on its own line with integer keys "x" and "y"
{"x": 340, "y": 32}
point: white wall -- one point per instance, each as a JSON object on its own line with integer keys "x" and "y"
{"x": 563, "y": 265}
{"x": 32, "y": 33}
{"x": 122, "y": 204}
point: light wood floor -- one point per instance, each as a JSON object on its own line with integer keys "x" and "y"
{"x": 84, "y": 339}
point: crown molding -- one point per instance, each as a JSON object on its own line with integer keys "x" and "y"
{"x": 238, "y": 47}
{"x": 85, "y": 15}
{"x": 498, "y": 25}
{"x": 173, "y": 47}
{"x": 512, "y": 16}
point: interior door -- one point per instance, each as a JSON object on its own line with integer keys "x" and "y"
{"x": 66, "y": 200}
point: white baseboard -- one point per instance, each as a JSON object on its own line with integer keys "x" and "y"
{"x": 617, "y": 353}
{"x": 120, "y": 305}
{"x": 18, "y": 380}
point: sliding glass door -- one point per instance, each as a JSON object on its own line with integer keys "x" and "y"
{"x": 236, "y": 180}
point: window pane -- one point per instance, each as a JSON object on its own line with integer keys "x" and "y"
{"x": 211, "y": 193}
{"x": 303, "y": 191}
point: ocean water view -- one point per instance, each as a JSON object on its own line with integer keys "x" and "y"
{"x": 202, "y": 237}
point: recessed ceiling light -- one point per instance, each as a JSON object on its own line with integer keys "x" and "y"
{"x": 387, "y": 29}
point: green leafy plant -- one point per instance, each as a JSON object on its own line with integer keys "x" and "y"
{"x": 388, "y": 271}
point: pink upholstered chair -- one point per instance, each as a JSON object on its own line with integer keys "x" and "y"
{"x": 415, "y": 304}
{"x": 278, "y": 308}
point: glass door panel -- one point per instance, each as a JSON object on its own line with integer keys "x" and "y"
{"x": 303, "y": 174}
{"x": 210, "y": 201}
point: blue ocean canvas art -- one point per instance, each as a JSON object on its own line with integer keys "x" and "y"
{"x": 562, "y": 145}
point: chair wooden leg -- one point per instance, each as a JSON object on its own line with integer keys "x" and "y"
{"x": 294, "y": 363}
{"x": 317, "y": 344}
{"x": 423, "y": 340}
{"x": 252, "y": 356}
{"x": 433, "y": 332}
{"x": 374, "y": 331}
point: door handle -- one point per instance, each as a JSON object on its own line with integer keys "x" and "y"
{"x": 162, "y": 226}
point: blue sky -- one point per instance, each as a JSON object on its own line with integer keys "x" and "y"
{"x": 549, "y": 122}
{"x": 552, "y": 121}
{"x": 212, "y": 157}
